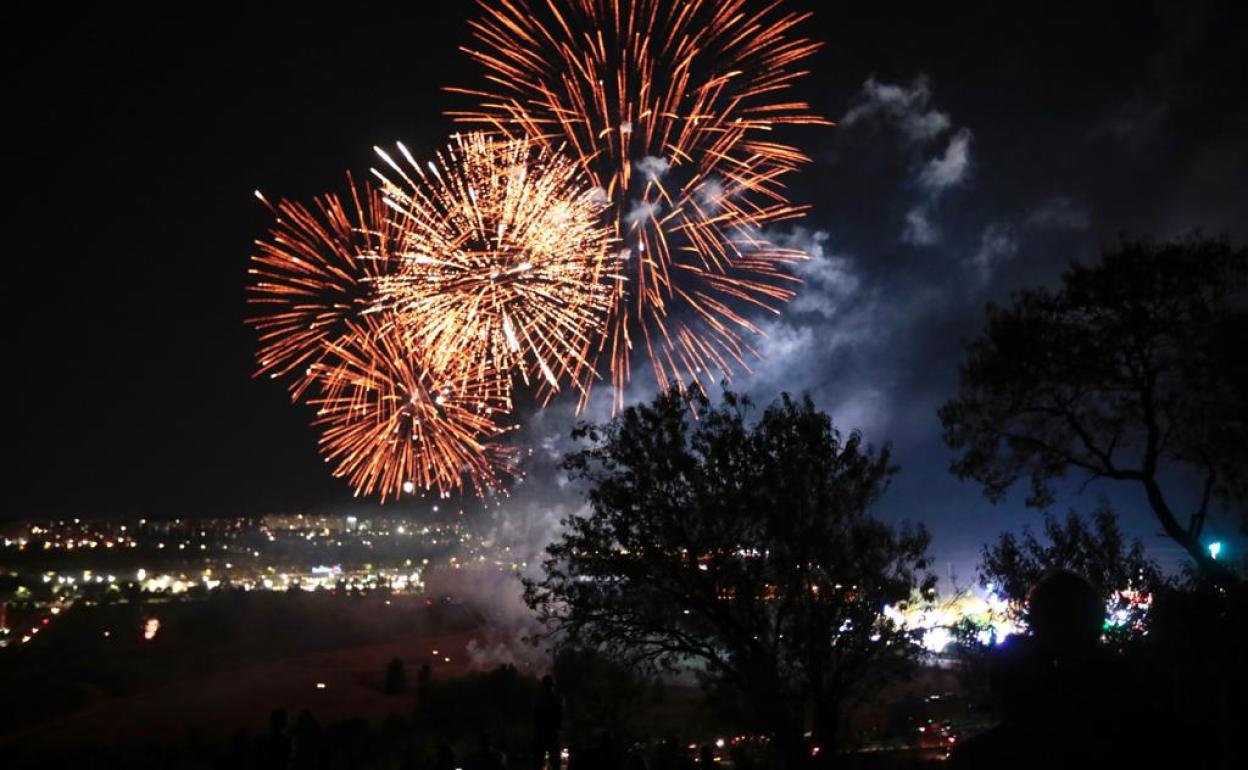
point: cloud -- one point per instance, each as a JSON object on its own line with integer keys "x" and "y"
{"x": 829, "y": 280}
{"x": 783, "y": 345}
{"x": 936, "y": 177}
{"x": 711, "y": 194}
{"x": 1060, "y": 213}
{"x": 522, "y": 527}
{"x": 908, "y": 111}
{"x": 834, "y": 316}
{"x": 918, "y": 229}
{"x": 866, "y": 409}
{"x": 641, "y": 211}
{"x": 652, "y": 167}
{"x": 998, "y": 243}
{"x": 905, "y": 107}
{"x": 948, "y": 170}
{"x": 1139, "y": 118}
{"x": 797, "y": 357}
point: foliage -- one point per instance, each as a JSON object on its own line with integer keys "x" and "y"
{"x": 1133, "y": 367}
{"x": 598, "y": 691}
{"x": 459, "y": 709}
{"x": 1095, "y": 549}
{"x": 742, "y": 549}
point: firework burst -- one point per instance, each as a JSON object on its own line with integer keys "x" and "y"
{"x": 503, "y": 258}
{"x": 669, "y": 108}
{"x": 393, "y": 425}
{"x": 616, "y": 205}
{"x": 311, "y": 277}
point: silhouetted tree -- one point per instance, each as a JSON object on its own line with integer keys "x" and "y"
{"x": 1133, "y": 365}
{"x": 1191, "y": 658}
{"x": 742, "y": 548}
{"x": 1095, "y": 549}
{"x": 599, "y": 691}
{"x": 459, "y": 707}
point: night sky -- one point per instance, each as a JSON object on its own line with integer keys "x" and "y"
{"x": 979, "y": 150}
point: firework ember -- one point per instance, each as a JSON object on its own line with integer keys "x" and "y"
{"x": 503, "y": 258}
{"x": 393, "y": 425}
{"x": 310, "y": 278}
{"x": 670, "y": 109}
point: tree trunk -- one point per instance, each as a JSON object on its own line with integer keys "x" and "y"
{"x": 1205, "y": 563}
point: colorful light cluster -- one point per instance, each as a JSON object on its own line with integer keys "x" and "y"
{"x": 994, "y": 618}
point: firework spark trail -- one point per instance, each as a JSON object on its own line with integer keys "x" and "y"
{"x": 394, "y": 426}
{"x": 669, "y": 107}
{"x": 310, "y": 278}
{"x": 504, "y": 258}
{"x": 313, "y": 293}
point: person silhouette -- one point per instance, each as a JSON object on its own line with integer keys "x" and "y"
{"x": 275, "y": 747}
{"x": 547, "y": 723}
{"x": 1064, "y": 701}
{"x": 1066, "y": 615}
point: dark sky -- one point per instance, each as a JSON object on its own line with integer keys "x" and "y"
{"x": 980, "y": 149}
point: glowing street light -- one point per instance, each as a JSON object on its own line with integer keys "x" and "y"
{"x": 1214, "y": 550}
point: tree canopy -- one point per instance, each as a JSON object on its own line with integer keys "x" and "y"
{"x": 742, "y": 548}
{"x": 1131, "y": 369}
{"x": 1093, "y": 547}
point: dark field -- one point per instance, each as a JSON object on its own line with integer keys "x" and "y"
{"x": 221, "y": 664}
{"x": 217, "y": 668}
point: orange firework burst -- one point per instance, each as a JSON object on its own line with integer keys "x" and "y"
{"x": 669, "y": 107}
{"x": 503, "y": 258}
{"x": 310, "y": 278}
{"x": 395, "y": 426}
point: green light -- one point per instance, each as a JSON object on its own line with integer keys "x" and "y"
{"x": 1214, "y": 550}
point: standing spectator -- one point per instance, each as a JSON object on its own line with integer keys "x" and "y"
{"x": 547, "y": 722}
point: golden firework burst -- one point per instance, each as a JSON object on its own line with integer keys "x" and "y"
{"x": 670, "y": 108}
{"x": 310, "y": 277}
{"x": 503, "y": 258}
{"x": 393, "y": 425}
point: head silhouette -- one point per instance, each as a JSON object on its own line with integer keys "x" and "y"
{"x": 1065, "y": 613}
